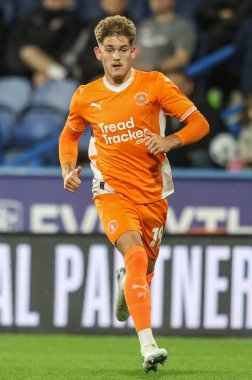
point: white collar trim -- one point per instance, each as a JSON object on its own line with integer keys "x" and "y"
{"x": 122, "y": 86}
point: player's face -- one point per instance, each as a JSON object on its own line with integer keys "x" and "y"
{"x": 116, "y": 55}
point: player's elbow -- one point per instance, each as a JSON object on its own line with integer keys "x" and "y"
{"x": 205, "y": 126}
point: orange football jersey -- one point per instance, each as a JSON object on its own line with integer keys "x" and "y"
{"x": 120, "y": 116}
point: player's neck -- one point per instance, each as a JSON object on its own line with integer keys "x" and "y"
{"x": 118, "y": 81}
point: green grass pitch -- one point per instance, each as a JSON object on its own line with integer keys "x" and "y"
{"x": 62, "y": 357}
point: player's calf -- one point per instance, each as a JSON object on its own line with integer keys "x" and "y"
{"x": 120, "y": 307}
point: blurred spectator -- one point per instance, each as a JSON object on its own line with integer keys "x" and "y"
{"x": 221, "y": 19}
{"x": 223, "y": 150}
{"x": 244, "y": 143}
{"x": 165, "y": 41}
{"x": 40, "y": 42}
{"x": 82, "y": 58}
{"x": 195, "y": 155}
{"x": 35, "y": 96}
{"x": 91, "y": 10}
{"x": 113, "y": 7}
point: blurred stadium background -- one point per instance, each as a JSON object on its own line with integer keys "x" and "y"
{"x": 57, "y": 269}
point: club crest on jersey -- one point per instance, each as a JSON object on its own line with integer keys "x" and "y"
{"x": 141, "y": 98}
{"x": 112, "y": 226}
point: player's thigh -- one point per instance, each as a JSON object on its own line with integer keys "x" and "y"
{"x": 118, "y": 216}
{"x": 153, "y": 219}
{"x": 128, "y": 240}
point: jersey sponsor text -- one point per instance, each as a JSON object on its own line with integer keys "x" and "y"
{"x": 138, "y": 135}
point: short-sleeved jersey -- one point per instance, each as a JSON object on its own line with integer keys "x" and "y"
{"x": 120, "y": 117}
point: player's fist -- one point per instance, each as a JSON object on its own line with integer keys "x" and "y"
{"x": 159, "y": 144}
{"x": 71, "y": 180}
{"x": 155, "y": 144}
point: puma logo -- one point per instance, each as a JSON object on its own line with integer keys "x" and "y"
{"x": 97, "y": 105}
{"x": 144, "y": 287}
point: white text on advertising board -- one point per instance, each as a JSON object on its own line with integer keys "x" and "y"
{"x": 196, "y": 282}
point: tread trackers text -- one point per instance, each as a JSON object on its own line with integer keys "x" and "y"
{"x": 127, "y": 126}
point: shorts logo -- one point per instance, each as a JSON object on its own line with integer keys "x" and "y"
{"x": 113, "y": 226}
{"x": 141, "y": 98}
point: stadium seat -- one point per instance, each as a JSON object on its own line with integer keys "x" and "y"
{"x": 38, "y": 124}
{"x": 7, "y": 124}
{"x": 15, "y": 93}
{"x": 56, "y": 94}
{"x": 232, "y": 117}
{"x": 14, "y": 153}
{"x": 14, "y": 10}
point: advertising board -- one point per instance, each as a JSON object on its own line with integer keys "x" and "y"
{"x": 49, "y": 283}
{"x": 200, "y": 204}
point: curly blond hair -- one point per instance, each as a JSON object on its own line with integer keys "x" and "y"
{"x": 115, "y": 26}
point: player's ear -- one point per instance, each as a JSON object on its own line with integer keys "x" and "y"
{"x": 133, "y": 52}
{"x": 97, "y": 52}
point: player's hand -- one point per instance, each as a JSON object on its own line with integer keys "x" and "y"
{"x": 158, "y": 144}
{"x": 71, "y": 180}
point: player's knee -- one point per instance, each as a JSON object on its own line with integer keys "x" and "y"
{"x": 129, "y": 240}
{"x": 136, "y": 257}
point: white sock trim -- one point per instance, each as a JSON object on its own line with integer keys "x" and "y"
{"x": 146, "y": 338}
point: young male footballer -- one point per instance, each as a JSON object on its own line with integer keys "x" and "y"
{"x": 132, "y": 176}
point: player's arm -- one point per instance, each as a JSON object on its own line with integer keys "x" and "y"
{"x": 196, "y": 128}
{"x": 68, "y": 147}
{"x": 176, "y": 104}
{"x": 68, "y": 153}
